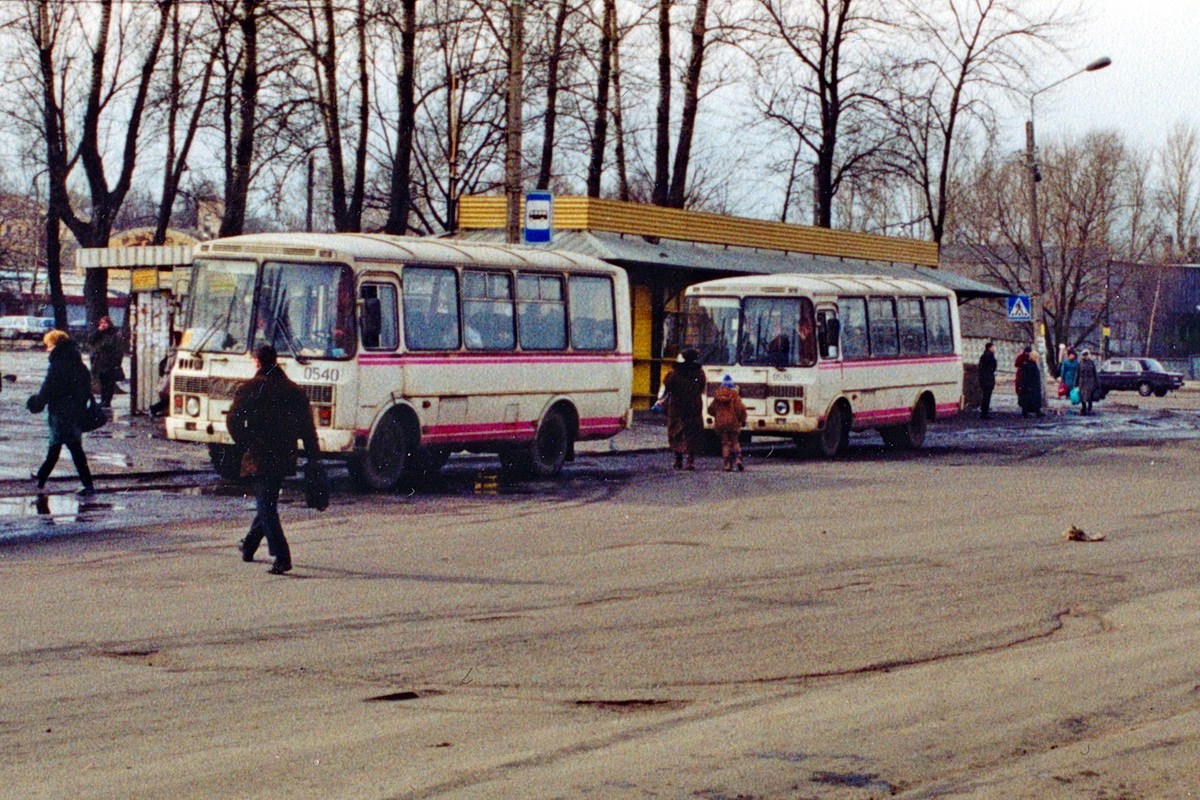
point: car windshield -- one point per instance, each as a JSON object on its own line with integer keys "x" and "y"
{"x": 1151, "y": 365}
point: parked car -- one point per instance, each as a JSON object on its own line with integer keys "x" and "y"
{"x": 1146, "y": 376}
{"x": 25, "y": 327}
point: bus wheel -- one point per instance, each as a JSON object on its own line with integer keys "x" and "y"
{"x": 833, "y": 438}
{"x": 911, "y": 435}
{"x": 226, "y": 461}
{"x": 545, "y": 455}
{"x": 380, "y": 468}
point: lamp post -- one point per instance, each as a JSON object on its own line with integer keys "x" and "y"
{"x": 1037, "y": 254}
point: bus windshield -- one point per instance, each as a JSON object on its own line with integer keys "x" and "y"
{"x": 711, "y": 326}
{"x": 306, "y": 310}
{"x": 756, "y": 331}
{"x": 219, "y": 316}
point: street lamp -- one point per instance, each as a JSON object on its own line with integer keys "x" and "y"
{"x": 1038, "y": 255}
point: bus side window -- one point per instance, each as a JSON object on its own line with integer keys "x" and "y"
{"x": 593, "y": 321}
{"x": 541, "y": 312}
{"x": 912, "y": 326}
{"x": 882, "y": 324}
{"x": 852, "y": 311}
{"x": 379, "y": 309}
{"x": 937, "y": 325}
{"x": 430, "y": 308}
{"x": 488, "y": 311}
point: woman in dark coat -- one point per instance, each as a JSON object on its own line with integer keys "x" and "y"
{"x": 269, "y": 414}
{"x": 1086, "y": 380}
{"x": 1029, "y": 387}
{"x": 685, "y": 409}
{"x": 64, "y": 395}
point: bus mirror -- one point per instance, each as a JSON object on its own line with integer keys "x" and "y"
{"x": 835, "y": 330}
{"x": 371, "y": 319}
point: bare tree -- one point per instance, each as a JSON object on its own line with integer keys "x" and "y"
{"x": 966, "y": 51}
{"x": 400, "y": 193}
{"x": 820, "y": 67}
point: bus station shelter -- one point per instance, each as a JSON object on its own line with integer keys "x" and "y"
{"x": 157, "y": 277}
{"x": 665, "y": 250}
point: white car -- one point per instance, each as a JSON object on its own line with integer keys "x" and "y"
{"x": 25, "y": 327}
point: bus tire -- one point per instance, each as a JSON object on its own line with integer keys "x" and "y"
{"x": 380, "y": 468}
{"x": 226, "y": 460}
{"x": 545, "y": 455}
{"x": 911, "y": 435}
{"x": 831, "y": 440}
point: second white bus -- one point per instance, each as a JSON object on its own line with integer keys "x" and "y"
{"x": 816, "y": 357}
{"x": 409, "y": 349}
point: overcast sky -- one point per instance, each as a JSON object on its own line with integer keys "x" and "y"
{"x": 1153, "y": 82}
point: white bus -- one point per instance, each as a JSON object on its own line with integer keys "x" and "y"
{"x": 817, "y": 356}
{"x": 409, "y": 349}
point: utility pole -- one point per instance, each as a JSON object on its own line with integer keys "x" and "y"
{"x": 512, "y": 160}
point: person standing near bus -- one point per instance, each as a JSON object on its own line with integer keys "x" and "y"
{"x": 107, "y": 348}
{"x": 729, "y": 417}
{"x": 1068, "y": 372}
{"x": 685, "y": 408}
{"x": 269, "y": 413}
{"x": 1029, "y": 387}
{"x": 987, "y": 379}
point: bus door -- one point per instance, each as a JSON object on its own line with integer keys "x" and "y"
{"x": 829, "y": 352}
{"x": 380, "y": 373}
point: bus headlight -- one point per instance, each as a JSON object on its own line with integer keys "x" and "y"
{"x": 782, "y": 407}
{"x": 192, "y": 406}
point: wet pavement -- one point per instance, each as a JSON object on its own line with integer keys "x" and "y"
{"x": 131, "y": 454}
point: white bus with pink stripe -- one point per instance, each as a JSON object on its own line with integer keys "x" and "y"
{"x": 410, "y": 349}
{"x": 817, "y": 356}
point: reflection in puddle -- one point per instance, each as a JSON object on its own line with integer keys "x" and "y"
{"x": 53, "y": 507}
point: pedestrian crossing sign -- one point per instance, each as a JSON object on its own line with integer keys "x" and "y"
{"x": 1018, "y": 308}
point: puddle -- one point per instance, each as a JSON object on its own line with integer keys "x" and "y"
{"x": 55, "y": 507}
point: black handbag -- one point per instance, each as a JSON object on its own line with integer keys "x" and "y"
{"x": 316, "y": 485}
{"x": 93, "y": 416}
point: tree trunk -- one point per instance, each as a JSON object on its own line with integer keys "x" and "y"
{"x": 400, "y": 196}
{"x": 662, "y": 138}
{"x": 619, "y": 120}
{"x": 691, "y": 104}
{"x": 238, "y": 187}
{"x": 545, "y": 170}
{"x": 600, "y": 131}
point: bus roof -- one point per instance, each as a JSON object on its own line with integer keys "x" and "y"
{"x": 820, "y": 284}
{"x": 386, "y": 248}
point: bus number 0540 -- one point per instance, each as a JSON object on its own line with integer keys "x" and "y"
{"x": 329, "y": 374}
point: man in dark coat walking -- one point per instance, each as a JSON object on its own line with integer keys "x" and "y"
{"x": 269, "y": 414}
{"x": 987, "y": 379}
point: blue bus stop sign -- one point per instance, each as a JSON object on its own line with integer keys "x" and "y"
{"x": 1018, "y": 308}
{"x": 539, "y": 216}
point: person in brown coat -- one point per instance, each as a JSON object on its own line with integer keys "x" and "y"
{"x": 729, "y": 417}
{"x": 269, "y": 414}
{"x": 685, "y": 408}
